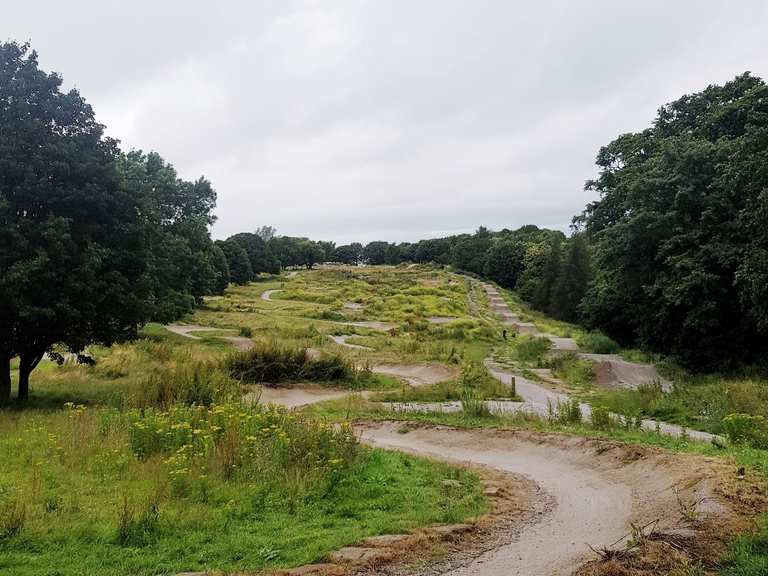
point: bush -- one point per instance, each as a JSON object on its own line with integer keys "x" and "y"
{"x": 274, "y": 363}
{"x": 566, "y": 412}
{"x": 598, "y": 343}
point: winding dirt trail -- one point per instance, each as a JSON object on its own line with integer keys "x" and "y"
{"x": 616, "y": 371}
{"x": 186, "y": 330}
{"x": 267, "y": 294}
{"x": 596, "y": 492}
{"x": 341, "y": 340}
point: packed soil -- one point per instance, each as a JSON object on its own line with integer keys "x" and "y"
{"x": 267, "y": 294}
{"x": 419, "y": 374}
{"x": 373, "y": 325}
{"x": 342, "y": 341}
{"x": 293, "y": 396}
{"x": 441, "y": 319}
{"x": 591, "y": 494}
{"x": 612, "y": 371}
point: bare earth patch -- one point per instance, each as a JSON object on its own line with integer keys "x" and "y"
{"x": 612, "y": 371}
{"x": 373, "y": 325}
{"x": 342, "y": 341}
{"x": 419, "y": 374}
{"x": 267, "y": 294}
{"x": 441, "y": 319}
{"x": 294, "y": 396}
{"x": 591, "y": 493}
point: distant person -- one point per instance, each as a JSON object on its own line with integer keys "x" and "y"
{"x": 504, "y": 334}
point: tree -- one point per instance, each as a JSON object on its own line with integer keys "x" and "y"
{"x": 550, "y": 272}
{"x": 310, "y": 253}
{"x": 240, "y": 271}
{"x": 469, "y": 252}
{"x": 221, "y": 266}
{"x": 266, "y": 233}
{"x": 375, "y": 253}
{"x": 72, "y": 238}
{"x": 259, "y": 254}
{"x": 678, "y": 232}
{"x": 572, "y": 282}
{"x": 504, "y": 261}
{"x": 178, "y": 215}
{"x": 345, "y": 254}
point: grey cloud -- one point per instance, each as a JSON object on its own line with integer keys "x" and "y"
{"x": 395, "y": 120}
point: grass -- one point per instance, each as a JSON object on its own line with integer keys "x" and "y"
{"x": 87, "y": 490}
{"x": 748, "y": 555}
{"x": 474, "y": 382}
{"x": 154, "y": 467}
{"x": 274, "y": 363}
{"x": 104, "y": 491}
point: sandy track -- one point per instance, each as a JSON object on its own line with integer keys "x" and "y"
{"x": 294, "y": 396}
{"x": 373, "y": 325}
{"x": 267, "y": 294}
{"x": 538, "y": 399}
{"x": 418, "y": 374}
{"x": 598, "y": 492}
{"x": 612, "y": 370}
{"x": 342, "y": 341}
{"x": 187, "y": 330}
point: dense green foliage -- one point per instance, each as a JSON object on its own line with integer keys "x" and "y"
{"x": 93, "y": 242}
{"x": 679, "y": 233}
{"x": 73, "y": 261}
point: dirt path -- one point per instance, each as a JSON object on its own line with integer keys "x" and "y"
{"x": 538, "y": 399}
{"x": 267, "y": 294}
{"x": 598, "y": 493}
{"x": 294, "y": 396}
{"x": 418, "y": 374}
{"x": 373, "y": 325}
{"x": 611, "y": 370}
{"x": 342, "y": 341}
{"x": 187, "y": 330}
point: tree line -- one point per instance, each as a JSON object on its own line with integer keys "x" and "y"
{"x": 95, "y": 241}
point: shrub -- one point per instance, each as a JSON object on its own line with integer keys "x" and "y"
{"x": 274, "y": 363}
{"x": 566, "y": 412}
{"x": 598, "y": 343}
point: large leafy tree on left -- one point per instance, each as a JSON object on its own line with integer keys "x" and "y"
{"x": 73, "y": 260}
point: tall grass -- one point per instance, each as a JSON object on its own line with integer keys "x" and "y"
{"x": 275, "y": 363}
{"x": 199, "y": 382}
{"x": 597, "y": 343}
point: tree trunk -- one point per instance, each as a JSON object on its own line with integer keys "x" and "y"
{"x": 5, "y": 380}
{"x": 27, "y": 363}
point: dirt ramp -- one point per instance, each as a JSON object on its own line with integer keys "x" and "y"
{"x": 612, "y": 371}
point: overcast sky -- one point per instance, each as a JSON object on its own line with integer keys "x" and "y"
{"x": 393, "y": 120}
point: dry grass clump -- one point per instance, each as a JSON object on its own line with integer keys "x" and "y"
{"x": 276, "y": 363}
